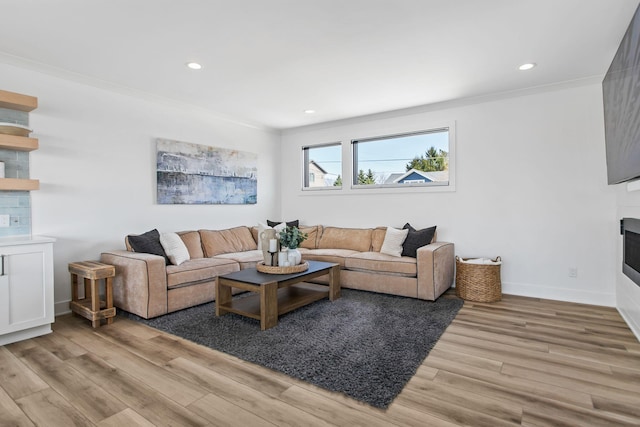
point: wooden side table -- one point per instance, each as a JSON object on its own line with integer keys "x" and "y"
{"x": 91, "y": 307}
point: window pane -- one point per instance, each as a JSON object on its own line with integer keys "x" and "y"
{"x": 323, "y": 166}
{"x": 414, "y": 159}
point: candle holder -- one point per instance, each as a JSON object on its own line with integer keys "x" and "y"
{"x": 273, "y": 258}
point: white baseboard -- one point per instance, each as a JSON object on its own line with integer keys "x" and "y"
{"x": 629, "y": 316}
{"x": 559, "y": 294}
{"x": 635, "y": 327}
{"x": 62, "y": 307}
{"x": 25, "y": 334}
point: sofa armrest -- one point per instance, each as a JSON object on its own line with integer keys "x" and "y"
{"x": 436, "y": 263}
{"x": 140, "y": 284}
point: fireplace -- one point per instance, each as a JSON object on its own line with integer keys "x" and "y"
{"x": 630, "y": 228}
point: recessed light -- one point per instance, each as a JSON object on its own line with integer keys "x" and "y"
{"x": 194, "y": 65}
{"x": 527, "y": 66}
{"x": 309, "y": 111}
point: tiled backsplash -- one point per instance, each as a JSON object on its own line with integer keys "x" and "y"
{"x": 16, "y": 204}
{"x": 14, "y": 116}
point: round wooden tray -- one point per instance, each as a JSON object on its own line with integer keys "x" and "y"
{"x": 282, "y": 270}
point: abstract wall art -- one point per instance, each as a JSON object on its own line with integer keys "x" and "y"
{"x": 200, "y": 174}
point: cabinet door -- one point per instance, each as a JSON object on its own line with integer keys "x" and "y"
{"x": 4, "y": 302}
{"x": 25, "y": 288}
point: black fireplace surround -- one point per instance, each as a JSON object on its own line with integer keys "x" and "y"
{"x": 630, "y": 228}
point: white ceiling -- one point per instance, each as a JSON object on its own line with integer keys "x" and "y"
{"x": 265, "y": 61}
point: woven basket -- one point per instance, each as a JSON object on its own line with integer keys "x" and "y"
{"x": 478, "y": 282}
{"x": 282, "y": 270}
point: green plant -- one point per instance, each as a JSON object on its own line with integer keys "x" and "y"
{"x": 291, "y": 237}
{"x": 433, "y": 160}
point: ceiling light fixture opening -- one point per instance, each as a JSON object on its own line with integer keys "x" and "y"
{"x": 309, "y": 111}
{"x": 194, "y": 65}
{"x": 527, "y": 66}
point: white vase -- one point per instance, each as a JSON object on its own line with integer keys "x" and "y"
{"x": 294, "y": 256}
{"x": 265, "y": 237}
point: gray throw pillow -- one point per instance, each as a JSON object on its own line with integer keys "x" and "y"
{"x": 148, "y": 243}
{"x": 416, "y": 239}
{"x": 295, "y": 223}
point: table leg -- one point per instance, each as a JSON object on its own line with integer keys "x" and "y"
{"x": 268, "y": 305}
{"x": 87, "y": 288}
{"x": 74, "y": 287}
{"x": 95, "y": 301}
{"x": 223, "y": 297}
{"x": 108, "y": 295}
{"x": 334, "y": 283}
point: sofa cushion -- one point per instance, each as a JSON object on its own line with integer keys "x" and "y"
{"x": 246, "y": 259}
{"x": 377, "y": 238}
{"x": 255, "y": 233}
{"x": 416, "y": 239}
{"x": 175, "y": 248}
{"x": 197, "y": 270}
{"x": 148, "y": 243}
{"x": 382, "y": 263}
{"x": 193, "y": 243}
{"x": 313, "y": 234}
{"x": 216, "y": 242}
{"x": 327, "y": 255}
{"x": 356, "y": 239}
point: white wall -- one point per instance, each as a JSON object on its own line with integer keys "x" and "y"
{"x": 96, "y": 166}
{"x": 530, "y": 187}
{"x": 627, "y": 292}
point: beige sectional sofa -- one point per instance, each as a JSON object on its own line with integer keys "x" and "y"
{"x": 146, "y": 286}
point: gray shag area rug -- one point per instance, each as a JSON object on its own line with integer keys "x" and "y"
{"x": 365, "y": 345}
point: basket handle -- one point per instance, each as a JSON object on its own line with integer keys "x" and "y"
{"x": 498, "y": 259}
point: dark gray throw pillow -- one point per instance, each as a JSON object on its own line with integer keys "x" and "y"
{"x": 416, "y": 239}
{"x": 148, "y": 243}
{"x": 295, "y": 223}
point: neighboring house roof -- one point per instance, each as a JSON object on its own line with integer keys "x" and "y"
{"x": 414, "y": 174}
{"x": 392, "y": 178}
{"x": 313, "y": 162}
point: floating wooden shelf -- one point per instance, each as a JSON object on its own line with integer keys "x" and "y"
{"x": 18, "y": 143}
{"x": 14, "y": 184}
{"x": 26, "y": 103}
{"x": 17, "y": 101}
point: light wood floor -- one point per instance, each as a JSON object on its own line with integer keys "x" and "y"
{"x": 521, "y": 361}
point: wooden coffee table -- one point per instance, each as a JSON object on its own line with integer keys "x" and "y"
{"x": 276, "y": 294}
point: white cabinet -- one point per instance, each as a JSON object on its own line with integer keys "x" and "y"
{"x": 26, "y": 288}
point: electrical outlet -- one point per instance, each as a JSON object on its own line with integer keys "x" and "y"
{"x": 573, "y": 272}
{"x": 5, "y": 220}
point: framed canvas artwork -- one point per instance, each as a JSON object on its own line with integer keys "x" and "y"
{"x": 200, "y": 174}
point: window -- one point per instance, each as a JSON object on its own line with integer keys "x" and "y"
{"x": 415, "y": 159}
{"x": 322, "y": 166}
